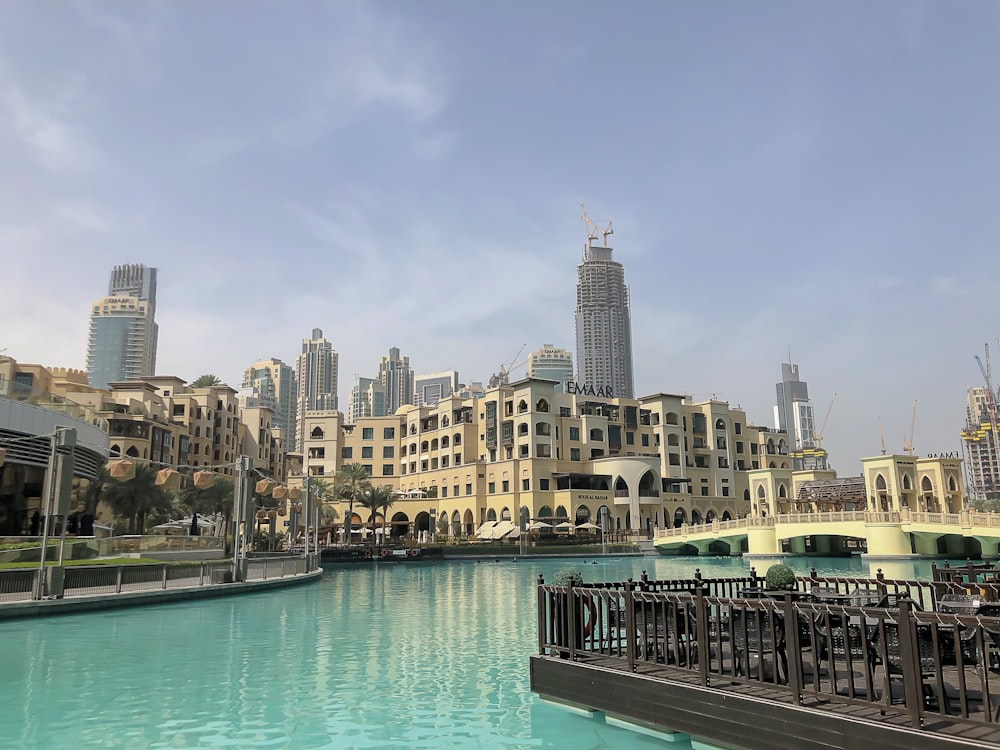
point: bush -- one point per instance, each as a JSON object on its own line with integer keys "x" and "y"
{"x": 779, "y": 577}
{"x": 563, "y": 576}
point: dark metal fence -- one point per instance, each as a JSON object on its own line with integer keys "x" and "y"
{"x": 905, "y": 647}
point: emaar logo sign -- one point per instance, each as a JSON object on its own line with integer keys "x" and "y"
{"x": 589, "y": 390}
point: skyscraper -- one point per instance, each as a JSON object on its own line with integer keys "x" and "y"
{"x": 274, "y": 382}
{"x": 317, "y": 374}
{"x": 793, "y": 413}
{"x": 396, "y": 377}
{"x": 603, "y": 320}
{"x": 981, "y": 444}
{"x": 367, "y": 399}
{"x": 123, "y": 330}
{"x": 551, "y": 363}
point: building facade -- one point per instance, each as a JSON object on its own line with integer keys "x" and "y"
{"x": 367, "y": 399}
{"x": 123, "y": 332}
{"x": 979, "y": 438}
{"x": 603, "y": 324}
{"x": 317, "y": 369}
{"x": 272, "y": 381}
{"x": 396, "y": 377}
{"x": 794, "y": 414}
{"x": 431, "y": 388}
{"x": 551, "y": 363}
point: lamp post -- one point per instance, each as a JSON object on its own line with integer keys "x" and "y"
{"x": 244, "y": 464}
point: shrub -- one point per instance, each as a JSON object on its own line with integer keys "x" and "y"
{"x": 563, "y": 576}
{"x": 779, "y": 577}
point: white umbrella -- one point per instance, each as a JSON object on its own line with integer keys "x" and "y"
{"x": 539, "y": 525}
{"x": 564, "y": 525}
{"x": 588, "y": 525}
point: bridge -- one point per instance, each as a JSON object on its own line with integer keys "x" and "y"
{"x": 897, "y": 534}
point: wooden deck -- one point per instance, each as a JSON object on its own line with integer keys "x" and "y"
{"x": 794, "y": 672}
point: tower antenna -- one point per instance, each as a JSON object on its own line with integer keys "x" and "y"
{"x": 881, "y": 434}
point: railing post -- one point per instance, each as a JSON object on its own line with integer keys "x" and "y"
{"x": 793, "y": 649}
{"x": 542, "y": 614}
{"x": 701, "y": 623}
{"x": 118, "y": 581}
{"x": 880, "y": 581}
{"x": 812, "y": 573}
{"x": 630, "y": 632}
{"x": 571, "y": 619}
{"x": 163, "y": 577}
{"x": 753, "y": 577}
{"x": 909, "y": 662}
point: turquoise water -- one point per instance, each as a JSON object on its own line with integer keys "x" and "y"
{"x": 416, "y": 655}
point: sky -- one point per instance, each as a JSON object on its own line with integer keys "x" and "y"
{"x": 819, "y": 180}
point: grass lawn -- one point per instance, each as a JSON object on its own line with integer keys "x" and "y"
{"x": 102, "y": 561}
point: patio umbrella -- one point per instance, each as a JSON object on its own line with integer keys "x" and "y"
{"x": 539, "y": 525}
{"x": 564, "y": 525}
{"x": 588, "y": 525}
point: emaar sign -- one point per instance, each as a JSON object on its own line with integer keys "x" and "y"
{"x": 589, "y": 390}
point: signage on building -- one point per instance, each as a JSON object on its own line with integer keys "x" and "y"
{"x": 589, "y": 390}
{"x": 591, "y": 497}
{"x": 949, "y": 454}
{"x": 119, "y": 301}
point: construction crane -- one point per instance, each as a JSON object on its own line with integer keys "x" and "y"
{"x": 822, "y": 429}
{"x": 592, "y": 230}
{"x": 991, "y": 395}
{"x": 908, "y": 444}
{"x": 503, "y": 377}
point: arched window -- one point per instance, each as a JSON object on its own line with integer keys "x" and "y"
{"x": 561, "y": 513}
{"x": 545, "y": 512}
{"x": 710, "y": 516}
{"x": 906, "y": 482}
{"x": 522, "y": 406}
{"x": 727, "y": 516}
{"x": 671, "y": 418}
{"x": 782, "y": 492}
{"x": 116, "y": 450}
{"x": 761, "y": 492}
{"x": 458, "y": 438}
{"x": 673, "y": 439}
{"x": 522, "y": 429}
{"x": 131, "y": 453}
{"x": 444, "y": 442}
{"x": 680, "y": 518}
{"x": 444, "y": 421}
{"x": 597, "y": 435}
{"x": 925, "y": 485}
{"x": 952, "y": 486}
{"x": 434, "y": 444}
{"x": 491, "y": 515}
{"x": 505, "y": 514}
{"x": 413, "y": 429}
{"x": 720, "y": 424}
{"x": 582, "y": 515}
{"x": 880, "y": 482}
{"x": 542, "y": 405}
{"x": 413, "y": 449}
{"x": 423, "y": 446}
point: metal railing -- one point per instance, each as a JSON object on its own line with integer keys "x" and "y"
{"x": 930, "y": 667}
{"x": 88, "y": 580}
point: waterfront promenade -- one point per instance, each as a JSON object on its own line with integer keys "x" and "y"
{"x": 81, "y": 588}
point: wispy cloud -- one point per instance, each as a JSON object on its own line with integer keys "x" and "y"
{"x": 45, "y": 127}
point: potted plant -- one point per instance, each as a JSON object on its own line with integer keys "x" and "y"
{"x": 780, "y": 578}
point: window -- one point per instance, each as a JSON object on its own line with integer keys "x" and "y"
{"x": 543, "y": 451}
{"x": 629, "y": 438}
{"x": 522, "y": 451}
{"x": 455, "y": 490}
{"x": 543, "y": 484}
{"x": 525, "y": 484}
{"x": 704, "y": 491}
{"x": 368, "y": 468}
{"x": 505, "y": 485}
{"x": 522, "y": 429}
{"x": 366, "y": 451}
{"x": 458, "y": 459}
{"x": 444, "y": 491}
{"x": 645, "y": 440}
{"x": 564, "y": 411}
{"x": 347, "y": 452}
{"x": 574, "y": 434}
{"x": 388, "y": 451}
{"x": 574, "y": 454}
{"x": 468, "y": 488}
{"x": 387, "y": 470}
{"x": 753, "y": 450}
{"x": 491, "y": 488}
{"x": 725, "y": 491}
{"x": 389, "y": 433}
{"x": 739, "y": 446}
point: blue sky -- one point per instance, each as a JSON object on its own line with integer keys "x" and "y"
{"x": 815, "y": 177}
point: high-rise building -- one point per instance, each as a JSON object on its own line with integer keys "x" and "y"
{"x": 793, "y": 413}
{"x": 123, "y": 331}
{"x": 272, "y": 381}
{"x": 396, "y": 377}
{"x": 317, "y": 375}
{"x": 981, "y": 445}
{"x": 431, "y": 388}
{"x": 603, "y": 322}
{"x": 367, "y": 399}
{"x": 551, "y": 363}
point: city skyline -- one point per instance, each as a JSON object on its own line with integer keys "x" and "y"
{"x": 812, "y": 177}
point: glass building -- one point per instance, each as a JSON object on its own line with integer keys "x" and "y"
{"x": 123, "y": 330}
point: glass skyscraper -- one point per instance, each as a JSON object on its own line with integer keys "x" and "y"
{"x": 123, "y": 330}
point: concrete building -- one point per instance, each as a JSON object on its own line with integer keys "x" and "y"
{"x": 980, "y": 441}
{"x": 317, "y": 375}
{"x": 551, "y": 363}
{"x": 396, "y": 377}
{"x": 272, "y": 381}
{"x": 123, "y": 330}
{"x": 603, "y": 323}
{"x": 431, "y": 388}
{"x": 367, "y": 399}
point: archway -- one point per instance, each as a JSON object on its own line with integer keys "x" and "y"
{"x": 709, "y": 516}
{"x": 582, "y": 515}
{"x": 695, "y": 517}
{"x": 469, "y": 522}
{"x": 456, "y": 524}
{"x": 399, "y": 526}
{"x": 680, "y": 518}
{"x": 491, "y": 514}
{"x": 727, "y": 516}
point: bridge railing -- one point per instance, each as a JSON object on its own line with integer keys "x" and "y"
{"x": 932, "y": 669}
{"x": 840, "y": 516}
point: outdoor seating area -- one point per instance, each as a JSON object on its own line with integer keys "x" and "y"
{"x": 924, "y": 652}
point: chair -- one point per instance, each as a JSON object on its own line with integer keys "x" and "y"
{"x": 885, "y": 650}
{"x": 756, "y": 633}
{"x": 667, "y": 632}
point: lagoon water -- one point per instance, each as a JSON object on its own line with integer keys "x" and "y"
{"x": 417, "y": 655}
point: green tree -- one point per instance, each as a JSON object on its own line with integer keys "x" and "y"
{"x": 133, "y": 500}
{"x": 214, "y": 499}
{"x": 350, "y": 481}
{"x": 205, "y": 381}
{"x": 377, "y": 497}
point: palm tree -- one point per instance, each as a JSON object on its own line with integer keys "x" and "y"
{"x": 135, "y": 498}
{"x": 375, "y": 497}
{"x": 350, "y": 481}
{"x": 216, "y": 498}
{"x": 206, "y": 381}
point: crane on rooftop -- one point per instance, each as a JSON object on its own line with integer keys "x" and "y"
{"x": 503, "y": 377}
